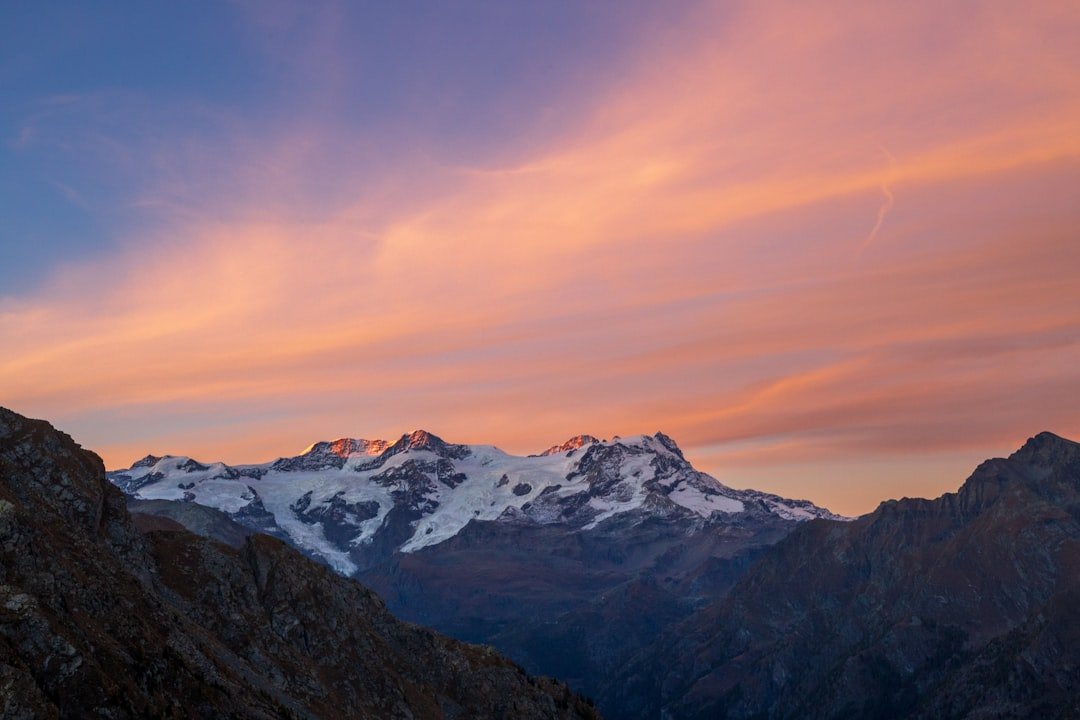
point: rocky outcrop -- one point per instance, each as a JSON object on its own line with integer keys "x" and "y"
{"x": 99, "y": 619}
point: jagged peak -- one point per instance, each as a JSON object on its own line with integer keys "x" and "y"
{"x": 424, "y": 440}
{"x": 669, "y": 443}
{"x": 643, "y": 441}
{"x": 330, "y": 453}
{"x": 1046, "y": 439}
{"x": 345, "y": 446}
{"x": 1046, "y": 447}
{"x": 148, "y": 461}
{"x": 419, "y": 440}
{"x": 574, "y": 443}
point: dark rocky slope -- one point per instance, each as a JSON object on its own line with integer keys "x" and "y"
{"x": 98, "y": 619}
{"x": 964, "y": 606}
{"x": 572, "y": 604}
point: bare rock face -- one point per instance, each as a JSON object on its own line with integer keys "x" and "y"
{"x": 963, "y": 606}
{"x": 99, "y": 619}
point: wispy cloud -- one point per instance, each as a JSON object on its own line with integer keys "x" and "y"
{"x": 886, "y": 205}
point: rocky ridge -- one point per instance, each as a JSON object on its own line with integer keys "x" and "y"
{"x": 959, "y": 607}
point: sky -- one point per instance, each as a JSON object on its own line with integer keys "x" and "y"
{"x": 831, "y": 248}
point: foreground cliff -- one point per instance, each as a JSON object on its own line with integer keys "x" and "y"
{"x": 100, "y": 619}
{"x": 967, "y": 606}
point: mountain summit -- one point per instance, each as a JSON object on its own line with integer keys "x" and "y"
{"x": 574, "y": 443}
{"x": 1047, "y": 449}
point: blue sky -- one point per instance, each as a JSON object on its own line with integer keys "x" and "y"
{"x": 104, "y": 103}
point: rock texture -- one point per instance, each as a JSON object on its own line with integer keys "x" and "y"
{"x": 967, "y": 606}
{"x": 98, "y": 619}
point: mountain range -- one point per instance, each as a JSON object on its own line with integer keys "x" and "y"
{"x": 351, "y": 502}
{"x": 620, "y": 569}
{"x": 569, "y": 560}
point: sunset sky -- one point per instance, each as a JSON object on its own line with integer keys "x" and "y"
{"x": 833, "y": 249}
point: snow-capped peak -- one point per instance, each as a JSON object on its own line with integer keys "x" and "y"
{"x": 148, "y": 461}
{"x": 330, "y": 454}
{"x": 574, "y": 443}
{"x": 346, "y": 447}
{"x": 667, "y": 442}
{"x": 423, "y": 440}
